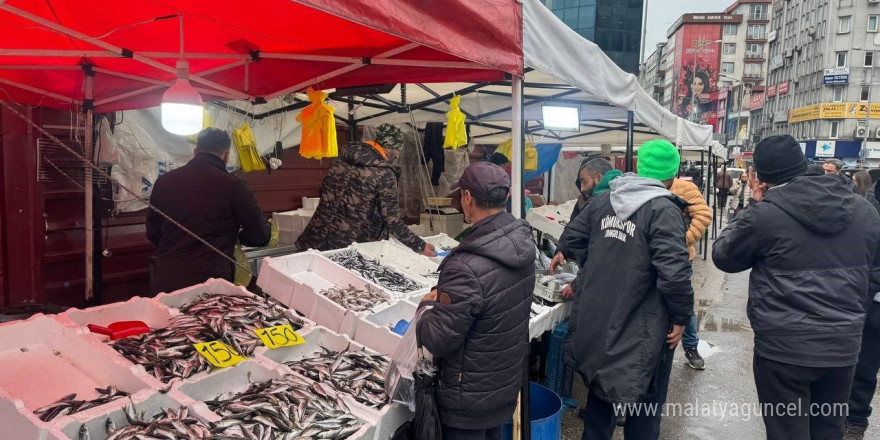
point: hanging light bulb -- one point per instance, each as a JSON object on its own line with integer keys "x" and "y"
{"x": 182, "y": 105}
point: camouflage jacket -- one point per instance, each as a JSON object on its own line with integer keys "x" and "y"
{"x": 358, "y": 203}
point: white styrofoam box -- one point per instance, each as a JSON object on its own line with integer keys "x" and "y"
{"x": 19, "y": 422}
{"x": 310, "y": 203}
{"x": 421, "y": 282}
{"x": 546, "y": 219}
{"x": 375, "y": 333}
{"x": 417, "y": 298}
{"x": 297, "y": 281}
{"x": 402, "y": 259}
{"x": 442, "y": 242}
{"x": 291, "y": 224}
{"x": 42, "y": 360}
{"x": 95, "y": 419}
{"x": 420, "y": 230}
{"x": 148, "y": 310}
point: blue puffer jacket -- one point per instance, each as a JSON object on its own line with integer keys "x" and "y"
{"x": 480, "y": 339}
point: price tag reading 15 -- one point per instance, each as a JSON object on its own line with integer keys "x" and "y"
{"x": 219, "y": 354}
{"x": 279, "y": 336}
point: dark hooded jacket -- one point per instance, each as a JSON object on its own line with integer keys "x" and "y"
{"x": 872, "y": 194}
{"x": 480, "y": 339}
{"x": 359, "y": 203}
{"x": 812, "y": 245}
{"x": 633, "y": 284}
{"x": 213, "y": 204}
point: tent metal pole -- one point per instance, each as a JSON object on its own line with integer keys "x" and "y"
{"x": 630, "y": 121}
{"x": 516, "y": 152}
{"x": 704, "y": 239}
{"x": 88, "y": 149}
{"x": 39, "y": 91}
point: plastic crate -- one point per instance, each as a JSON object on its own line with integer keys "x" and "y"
{"x": 148, "y": 310}
{"x": 416, "y": 266}
{"x": 376, "y": 334}
{"x": 291, "y": 224}
{"x": 422, "y": 284}
{"x": 552, "y": 293}
{"x": 547, "y": 220}
{"x": 560, "y": 377}
{"x": 310, "y": 203}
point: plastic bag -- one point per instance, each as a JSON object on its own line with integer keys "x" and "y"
{"x": 318, "y": 127}
{"x": 399, "y": 385}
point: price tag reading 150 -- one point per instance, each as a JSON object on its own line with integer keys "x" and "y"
{"x": 219, "y": 354}
{"x": 279, "y": 336}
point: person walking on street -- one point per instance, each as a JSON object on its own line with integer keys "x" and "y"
{"x": 814, "y": 250}
{"x": 698, "y": 217}
{"x": 359, "y": 203}
{"x": 865, "y": 379}
{"x": 213, "y": 204}
{"x": 723, "y": 184}
{"x": 741, "y": 193}
{"x": 624, "y": 330}
{"x": 478, "y": 326}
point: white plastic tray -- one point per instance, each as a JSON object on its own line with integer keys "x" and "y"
{"x": 376, "y": 333}
{"x": 540, "y": 219}
{"x": 390, "y": 262}
{"x": 148, "y": 310}
{"x": 291, "y": 224}
{"x": 401, "y": 258}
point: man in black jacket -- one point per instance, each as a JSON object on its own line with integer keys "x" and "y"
{"x": 590, "y": 174}
{"x": 812, "y": 246}
{"x": 624, "y": 329}
{"x": 478, "y": 328}
{"x": 213, "y": 204}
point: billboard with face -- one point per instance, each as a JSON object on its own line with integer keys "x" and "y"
{"x": 697, "y": 68}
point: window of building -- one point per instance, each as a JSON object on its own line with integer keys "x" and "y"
{"x": 727, "y": 68}
{"x": 729, "y": 29}
{"x": 869, "y": 59}
{"x": 838, "y": 94}
{"x": 866, "y": 94}
{"x": 873, "y": 22}
{"x": 835, "y": 129}
{"x": 753, "y": 70}
{"x": 728, "y": 48}
{"x": 755, "y": 48}
{"x": 841, "y": 59}
{"x": 758, "y": 12}
{"x": 844, "y": 25}
{"x": 756, "y": 32}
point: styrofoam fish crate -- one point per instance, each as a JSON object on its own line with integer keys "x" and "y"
{"x": 297, "y": 281}
{"x": 17, "y": 421}
{"x": 95, "y": 419}
{"x": 236, "y": 379}
{"x": 422, "y": 283}
{"x": 148, "y": 310}
{"x": 442, "y": 242}
{"x": 546, "y": 219}
{"x": 42, "y": 360}
{"x": 417, "y": 298}
{"x": 310, "y": 203}
{"x": 402, "y": 259}
{"x": 291, "y": 224}
{"x": 375, "y": 332}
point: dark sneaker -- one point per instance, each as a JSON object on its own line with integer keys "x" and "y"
{"x": 852, "y": 432}
{"x": 694, "y": 359}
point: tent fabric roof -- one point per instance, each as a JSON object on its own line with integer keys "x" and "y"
{"x": 247, "y": 51}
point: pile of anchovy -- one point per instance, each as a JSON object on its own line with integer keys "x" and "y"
{"x": 286, "y": 408}
{"x": 357, "y": 373}
{"x": 168, "y": 353}
{"x": 169, "y": 424}
{"x": 69, "y": 405}
{"x": 375, "y": 272}
{"x": 354, "y": 299}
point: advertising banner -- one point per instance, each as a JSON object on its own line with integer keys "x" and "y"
{"x": 697, "y": 72}
{"x": 836, "y": 75}
{"x": 834, "y": 110}
{"x": 757, "y": 101}
{"x": 825, "y": 148}
{"x": 783, "y": 88}
{"x": 771, "y": 91}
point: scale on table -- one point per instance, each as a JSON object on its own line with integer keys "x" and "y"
{"x": 441, "y": 217}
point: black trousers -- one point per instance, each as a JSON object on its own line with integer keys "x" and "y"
{"x": 802, "y": 402}
{"x": 450, "y": 433}
{"x": 865, "y": 380}
{"x": 642, "y": 420}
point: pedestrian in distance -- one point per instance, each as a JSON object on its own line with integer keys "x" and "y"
{"x": 863, "y": 182}
{"x": 741, "y": 194}
{"x": 723, "y": 184}
{"x": 478, "y": 326}
{"x": 624, "y": 329}
{"x": 813, "y": 247}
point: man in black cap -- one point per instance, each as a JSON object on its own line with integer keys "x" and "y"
{"x": 812, "y": 246}
{"x": 477, "y": 328}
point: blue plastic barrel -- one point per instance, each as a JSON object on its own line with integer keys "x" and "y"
{"x": 546, "y": 415}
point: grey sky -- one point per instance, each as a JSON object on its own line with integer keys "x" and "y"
{"x": 663, "y": 13}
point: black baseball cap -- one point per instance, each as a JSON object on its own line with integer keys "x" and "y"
{"x": 486, "y": 181}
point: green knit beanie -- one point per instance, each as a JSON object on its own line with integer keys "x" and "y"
{"x": 658, "y": 159}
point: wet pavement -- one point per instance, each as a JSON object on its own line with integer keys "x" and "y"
{"x": 727, "y": 384}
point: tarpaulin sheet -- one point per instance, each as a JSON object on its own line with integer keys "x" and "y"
{"x": 548, "y": 154}
{"x": 486, "y": 35}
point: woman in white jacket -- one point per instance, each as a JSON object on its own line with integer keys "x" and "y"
{"x": 740, "y": 193}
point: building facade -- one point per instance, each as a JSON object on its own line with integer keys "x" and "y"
{"x": 614, "y": 25}
{"x": 712, "y": 68}
{"x": 822, "y": 78}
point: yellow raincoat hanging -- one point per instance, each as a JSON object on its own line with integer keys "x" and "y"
{"x": 456, "y": 136}
{"x": 318, "y": 128}
{"x": 246, "y": 146}
{"x": 530, "y": 161}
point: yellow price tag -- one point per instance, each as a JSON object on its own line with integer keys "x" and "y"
{"x": 279, "y": 336}
{"x": 219, "y": 354}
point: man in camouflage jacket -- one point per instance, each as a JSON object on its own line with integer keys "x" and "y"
{"x": 359, "y": 204}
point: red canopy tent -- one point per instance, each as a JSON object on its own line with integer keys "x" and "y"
{"x": 248, "y": 51}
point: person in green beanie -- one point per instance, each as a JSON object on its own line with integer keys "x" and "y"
{"x": 634, "y": 295}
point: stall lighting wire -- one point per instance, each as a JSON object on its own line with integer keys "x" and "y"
{"x": 101, "y": 172}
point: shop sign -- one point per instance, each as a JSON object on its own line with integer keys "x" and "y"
{"x": 748, "y": 155}
{"x": 776, "y": 61}
{"x": 801, "y": 114}
{"x": 836, "y": 76}
{"x": 780, "y": 116}
{"x": 771, "y": 91}
{"x": 736, "y": 153}
{"x": 837, "y": 110}
{"x": 783, "y": 88}
{"x": 771, "y": 37}
{"x": 872, "y": 150}
{"x": 757, "y": 101}
{"x": 825, "y": 148}
{"x": 834, "y": 110}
